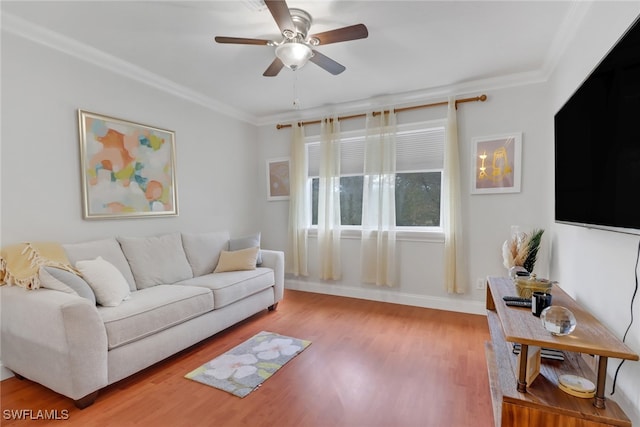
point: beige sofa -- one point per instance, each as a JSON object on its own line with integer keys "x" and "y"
{"x": 75, "y": 347}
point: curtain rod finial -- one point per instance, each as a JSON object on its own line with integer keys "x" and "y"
{"x": 483, "y": 97}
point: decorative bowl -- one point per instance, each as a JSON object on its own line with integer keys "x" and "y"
{"x": 526, "y": 286}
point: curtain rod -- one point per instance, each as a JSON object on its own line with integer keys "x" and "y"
{"x": 481, "y": 98}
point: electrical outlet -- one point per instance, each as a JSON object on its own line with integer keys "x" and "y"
{"x": 480, "y": 284}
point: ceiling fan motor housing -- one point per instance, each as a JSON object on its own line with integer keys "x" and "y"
{"x": 301, "y": 21}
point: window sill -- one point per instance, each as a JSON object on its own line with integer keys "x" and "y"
{"x": 421, "y": 235}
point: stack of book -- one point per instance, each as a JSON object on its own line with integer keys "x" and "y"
{"x": 545, "y": 353}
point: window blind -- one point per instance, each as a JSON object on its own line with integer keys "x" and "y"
{"x": 416, "y": 150}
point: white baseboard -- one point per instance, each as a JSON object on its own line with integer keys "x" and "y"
{"x": 381, "y": 295}
{"x": 5, "y": 373}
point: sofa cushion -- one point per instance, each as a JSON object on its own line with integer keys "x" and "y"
{"x": 233, "y": 286}
{"x": 109, "y": 249}
{"x": 107, "y": 282}
{"x": 156, "y": 260}
{"x": 65, "y": 281}
{"x": 245, "y": 242}
{"x": 203, "y": 250}
{"x": 152, "y": 310}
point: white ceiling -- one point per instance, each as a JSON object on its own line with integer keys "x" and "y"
{"x": 415, "y": 49}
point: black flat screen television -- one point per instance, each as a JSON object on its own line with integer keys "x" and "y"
{"x": 597, "y": 144}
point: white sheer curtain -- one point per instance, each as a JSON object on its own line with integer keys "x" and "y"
{"x": 378, "y": 201}
{"x": 452, "y": 213}
{"x": 329, "y": 201}
{"x": 296, "y": 259}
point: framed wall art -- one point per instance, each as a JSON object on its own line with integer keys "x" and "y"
{"x": 128, "y": 169}
{"x": 496, "y": 164}
{"x": 278, "y": 179}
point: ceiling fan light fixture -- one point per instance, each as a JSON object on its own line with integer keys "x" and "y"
{"x": 294, "y": 55}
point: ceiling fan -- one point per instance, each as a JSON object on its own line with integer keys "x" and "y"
{"x": 297, "y": 47}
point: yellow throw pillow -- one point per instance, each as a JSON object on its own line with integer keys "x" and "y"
{"x": 243, "y": 259}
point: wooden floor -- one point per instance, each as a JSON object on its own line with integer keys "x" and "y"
{"x": 369, "y": 364}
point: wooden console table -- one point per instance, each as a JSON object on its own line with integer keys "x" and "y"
{"x": 542, "y": 403}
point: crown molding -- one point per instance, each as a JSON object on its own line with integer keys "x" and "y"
{"x": 568, "y": 29}
{"x": 408, "y": 98}
{"x": 35, "y": 33}
{"x": 565, "y": 35}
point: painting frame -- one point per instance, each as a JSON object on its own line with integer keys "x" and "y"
{"x": 500, "y": 171}
{"x": 278, "y": 178}
{"x": 128, "y": 169}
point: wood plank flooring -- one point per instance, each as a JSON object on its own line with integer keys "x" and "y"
{"x": 370, "y": 364}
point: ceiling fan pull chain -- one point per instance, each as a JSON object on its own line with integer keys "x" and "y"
{"x": 296, "y": 101}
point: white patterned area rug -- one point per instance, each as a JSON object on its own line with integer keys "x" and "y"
{"x": 244, "y": 368}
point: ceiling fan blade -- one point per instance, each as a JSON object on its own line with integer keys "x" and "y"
{"x": 280, "y": 12}
{"x": 353, "y": 32}
{"x": 327, "y": 63}
{"x": 274, "y": 68}
{"x": 240, "y": 40}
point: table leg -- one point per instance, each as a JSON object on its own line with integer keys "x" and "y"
{"x": 599, "y": 400}
{"x": 522, "y": 373}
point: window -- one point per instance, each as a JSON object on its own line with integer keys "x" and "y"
{"x": 419, "y": 165}
{"x": 350, "y": 200}
{"x": 418, "y": 199}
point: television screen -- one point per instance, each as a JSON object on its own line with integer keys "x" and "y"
{"x": 597, "y": 144}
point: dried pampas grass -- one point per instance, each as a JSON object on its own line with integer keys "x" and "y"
{"x": 521, "y": 250}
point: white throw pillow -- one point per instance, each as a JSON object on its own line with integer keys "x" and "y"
{"x": 107, "y": 282}
{"x": 109, "y": 249}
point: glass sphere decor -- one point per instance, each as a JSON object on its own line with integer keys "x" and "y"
{"x": 558, "y": 320}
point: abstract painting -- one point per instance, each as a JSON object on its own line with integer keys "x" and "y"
{"x": 278, "y": 179}
{"x": 128, "y": 169}
{"x": 497, "y": 164}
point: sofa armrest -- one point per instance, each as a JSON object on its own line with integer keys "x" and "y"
{"x": 55, "y": 339}
{"x": 275, "y": 260}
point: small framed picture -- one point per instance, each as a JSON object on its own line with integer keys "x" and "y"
{"x": 278, "y": 179}
{"x": 496, "y": 164}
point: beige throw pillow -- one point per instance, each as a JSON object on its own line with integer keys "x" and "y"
{"x": 245, "y": 242}
{"x": 243, "y": 259}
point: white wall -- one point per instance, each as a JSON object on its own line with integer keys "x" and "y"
{"x": 40, "y": 177}
{"x": 598, "y": 267}
{"x": 487, "y": 218}
{"x": 41, "y": 191}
